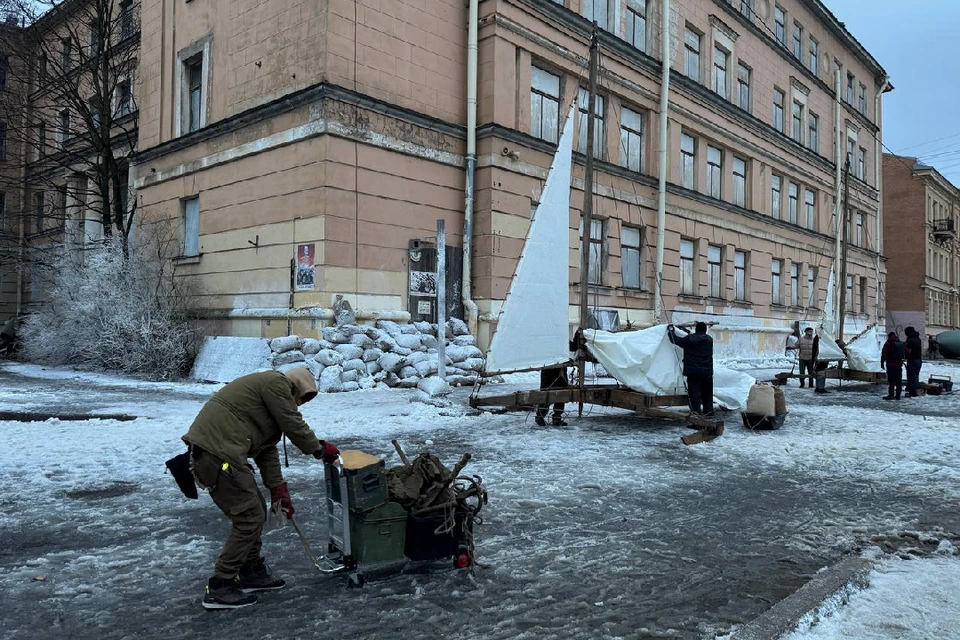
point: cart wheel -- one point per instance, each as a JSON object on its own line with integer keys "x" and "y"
{"x": 463, "y": 559}
{"x": 355, "y": 580}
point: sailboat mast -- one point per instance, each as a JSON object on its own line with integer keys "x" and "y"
{"x": 845, "y": 227}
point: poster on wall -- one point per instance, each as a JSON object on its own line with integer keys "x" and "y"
{"x": 306, "y": 269}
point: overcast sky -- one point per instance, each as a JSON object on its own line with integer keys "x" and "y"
{"x": 916, "y": 41}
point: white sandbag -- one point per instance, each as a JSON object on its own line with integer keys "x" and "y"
{"x": 407, "y": 372}
{"x": 465, "y": 341}
{"x": 284, "y": 344}
{"x": 472, "y": 364}
{"x": 761, "y": 400}
{"x": 350, "y": 375}
{"x": 458, "y": 326}
{"x": 351, "y": 386}
{"x": 287, "y": 357}
{"x": 459, "y": 354}
{"x": 372, "y": 355}
{"x": 426, "y": 328}
{"x": 428, "y": 341}
{"x": 355, "y": 364}
{"x": 328, "y": 357}
{"x": 409, "y": 340}
{"x": 391, "y": 362}
{"x": 310, "y": 346}
{"x": 293, "y": 365}
{"x": 361, "y": 340}
{"x": 330, "y": 381}
{"x": 349, "y": 351}
{"x": 373, "y": 368}
{"x": 426, "y": 367}
{"x": 392, "y": 328}
{"x": 434, "y": 387}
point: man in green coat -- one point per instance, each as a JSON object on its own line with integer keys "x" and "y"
{"x": 244, "y": 420}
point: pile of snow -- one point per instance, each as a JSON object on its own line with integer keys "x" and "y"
{"x": 352, "y": 356}
{"x": 226, "y": 358}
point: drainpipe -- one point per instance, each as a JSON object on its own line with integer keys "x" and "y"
{"x": 839, "y": 214}
{"x": 662, "y": 191}
{"x": 878, "y": 176}
{"x": 469, "y": 306}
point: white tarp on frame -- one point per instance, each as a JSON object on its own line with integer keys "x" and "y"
{"x": 533, "y": 330}
{"x": 648, "y": 362}
{"x": 863, "y": 354}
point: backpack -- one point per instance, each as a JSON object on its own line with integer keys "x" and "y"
{"x": 895, "y": 351}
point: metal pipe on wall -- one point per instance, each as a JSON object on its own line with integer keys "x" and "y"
{"x": 878, "y": 177}
{"x": 662, "y": 190}
{"x": 469, "y": 306}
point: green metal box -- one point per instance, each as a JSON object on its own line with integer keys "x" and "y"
{"x": 366, "y": 486}
{"x": 378, "y": 535}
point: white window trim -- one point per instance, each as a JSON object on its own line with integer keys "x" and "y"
{"x": 180, "y": 89}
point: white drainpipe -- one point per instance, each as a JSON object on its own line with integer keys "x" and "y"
{"x": 878, "y": 176}
{"x": 469, "y": 306}
{"x": 838, "y": 201}
{"x": 662, "y": 192}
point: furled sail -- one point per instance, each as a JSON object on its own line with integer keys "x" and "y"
{"x": 533, "y": 329}
{"x": 829, "y": 349}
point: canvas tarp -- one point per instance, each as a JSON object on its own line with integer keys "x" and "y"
{"x": 830, "y": 351}
{"x": 863, "y": 354}
{"x": 648, "y": 362}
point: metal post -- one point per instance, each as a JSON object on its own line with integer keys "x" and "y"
{"x": 842, "y": 312}
{"x": 585, "y": 234}
{"x": 441, "y": 301}
{"x": 662, "y": 189}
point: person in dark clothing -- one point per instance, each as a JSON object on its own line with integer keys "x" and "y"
{"x": 891, "y": 359}
{"x": 8, "y": 336}
{"x": 552, "y": 378}
{"x": 932, "y": 347}
{"x": 914, "y": 349}
{"x": 697, "y": 366}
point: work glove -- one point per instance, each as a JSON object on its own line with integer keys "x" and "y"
{"x": 327, "y": 452}
{"x": 281, "y": 494}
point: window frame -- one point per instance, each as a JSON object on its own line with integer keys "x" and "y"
{"x": 862, "y": 99}
{"x": 721, "y": 61}
{"x": 740, "y": 289}
{"x": 688, "y": 162}
{"x": 779, "y": 100}
{"x": 810, "y": 208}
{"x": 776, "y": 284}
{"x": 794, "y": 284}
{"x": 600, "y": 244}
{"x": 631, "y": 254}
{"x": 715, "y": 172}
{"x": 813, "y": 298}
{"x": 691, "y": 56}
{"x": 190, "y": 247}
{"x": 776, "y": 197}
{"x": 813, "y": 132}
{"x": 199, "y": 50}
{"x": 589, "y": 10}
{"x": 780, "y": 26}
{"x": 688, "y": 281}
{"x": 599, "y": 123}
{"x": 813, "y": 62}
{"x": 744, "y": 87}
{"x": 636, "y": 10}
{"x": 793, "y": 202}
{"x": 629, "y": 135}
{"x": 797, "y": 41}
{"x": 739, "y": 181}
{"x": 715, "y": 271}
{"x": 796, "y": 116}
{"x": 542, "y": 98}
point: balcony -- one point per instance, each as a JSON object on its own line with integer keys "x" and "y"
{"x": 944, "y": 229}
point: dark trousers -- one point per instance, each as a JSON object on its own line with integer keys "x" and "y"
{"x": 236, "y": 493}
{"x": 807, "y": 366}
{"x": 894, "y": 380}
{"x": 700, "y": 391}
{"x": 552, "y": 379}
{"x": 913, "y": 376}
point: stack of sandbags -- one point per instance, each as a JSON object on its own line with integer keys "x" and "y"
{"x": 352, "y": 356}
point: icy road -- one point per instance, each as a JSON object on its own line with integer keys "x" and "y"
{"x": 609, "y": 528}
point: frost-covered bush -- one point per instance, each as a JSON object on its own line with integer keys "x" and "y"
{"x": 106, "y": 310}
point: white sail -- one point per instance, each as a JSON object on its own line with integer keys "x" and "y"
{"x": 533, "y": 329}
{"x": 863, "y": 353}
{"x": 827, "y": 331}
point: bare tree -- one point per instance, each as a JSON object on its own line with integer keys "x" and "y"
{"x": 70, "y": 113}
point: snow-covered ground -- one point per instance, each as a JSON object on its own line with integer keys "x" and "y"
{"x": 609, "y": 528}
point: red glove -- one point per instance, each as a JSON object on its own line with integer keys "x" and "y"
{"x": 281, "y": 494}
{"x": 327, "y": 451}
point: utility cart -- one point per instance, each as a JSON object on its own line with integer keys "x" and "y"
{"x": 366, "y": 529}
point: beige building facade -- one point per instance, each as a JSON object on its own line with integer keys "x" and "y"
{"x": 306, "y": 150}
{"x": 922, "y": 214}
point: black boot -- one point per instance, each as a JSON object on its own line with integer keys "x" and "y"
{"x": 226, "y": 594}
{"x": 541, "y": 422}
{"x": 256, "y": 576}
{"x": 558, "y": 420}
{"x": 801, "y": 384}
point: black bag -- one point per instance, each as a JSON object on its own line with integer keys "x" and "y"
{"x": 179, "y": 467}
{"x": 895, "y": 351}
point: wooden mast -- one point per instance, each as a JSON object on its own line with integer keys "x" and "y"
{"x": 845, "y": 221}
{"x": 585, "y": 234}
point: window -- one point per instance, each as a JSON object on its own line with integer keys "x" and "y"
{"x": 41, "y": 140}
{"x": 792, "y": 195}
{"x": 714, "y": 174}
{"x": 849, "y": 302}
{"x": 544, "y": 105}
{"x": 194, "y": 75}
{"x": 595, "y": 267}
{"x": 191, "y": 227}
{"x": 746, "y": 8}
{"x": 860, "y": 229}
{"x": 688, "y": 159}
{"x": 96, "y": 113}
{"x": 3, "y": 207}
{"x": 743, "y": 86}
{"x": 126, "y": 18}
{"x": 598, "y": 132}
{"x": 740, "y": 275}
{"x": 813, "y": 137}
{"x": 3, "y": 140}
{"x": 781, "y": 26}
{"x": 797, "y": 41}
{"x": 95, "y": 40}
{"x": 776, "y": 268}
{"x": 739, "y": 182}
{"x": 637, "y": 23}
{"x": 852, "y": 153}
{"x": 863, "y": 99}
{"x": 794, "y": 284}
{"x": 862, "y": 164}
{"x": 124, "y": 98}
{"x": 41, "y": 71}
{"x": 720, "y": 71}
{"x": 776, "y": 196}
{"x": 4, "y": 66}
{"x": 597, "y": 11}
{"x": 810, "y": 202}
{"x": 812, "y": 297}
{"x": 778, "y": 98}
{"x": 66, "y": 55}
{"x": 814, "y": 63}
{"x": 631, "y": 139}
{"x": 863, "y": 296}
{"x": 850, "y": 81}
{"x": 630, "y": 256}
{"x": 61, "y": 205}
{"x": 714, "y": 271}
{"x": 691, "y": 60}
{"x": 798, "y": 122}
{"x": 687, "y": 274}
{"x": 63, "y": 131}
{"x": 39, "y": 211}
